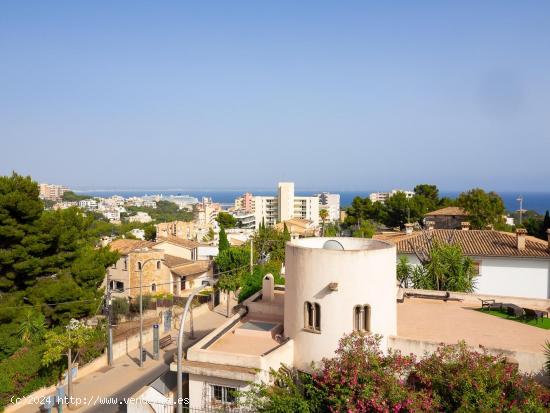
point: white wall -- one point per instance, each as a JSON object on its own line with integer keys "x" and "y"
{"x": 365, "y": 273}
{"x": 197, "y": 384}
{"x": 520, "y": 277}
{"x": 515, "y": 277}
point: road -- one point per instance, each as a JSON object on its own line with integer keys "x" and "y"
{"x": 125, "y": 378}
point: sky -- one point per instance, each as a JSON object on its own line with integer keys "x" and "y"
{"x": 240, "y": 95}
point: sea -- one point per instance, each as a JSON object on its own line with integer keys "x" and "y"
{"x": 535, "y": 201}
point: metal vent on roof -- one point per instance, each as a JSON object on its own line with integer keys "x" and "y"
{"x": 333, "y": 245}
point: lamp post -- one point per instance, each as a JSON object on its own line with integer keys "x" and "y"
{"x": 141, "y": 307}
{"x": 180, "y": 344}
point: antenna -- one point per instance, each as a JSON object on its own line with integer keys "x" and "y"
{"x": 520, "y": 199}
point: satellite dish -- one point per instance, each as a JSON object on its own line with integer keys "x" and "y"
{"x": 333, "y": 245}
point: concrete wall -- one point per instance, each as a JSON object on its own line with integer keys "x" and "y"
{"x": 365, "y": 273}
{"x": 475, "y": 299}
{"x": 517, "y": 277}
{"x": 532, "y": 363}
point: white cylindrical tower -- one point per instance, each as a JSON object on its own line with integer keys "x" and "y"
{"x": 335, "y": 286}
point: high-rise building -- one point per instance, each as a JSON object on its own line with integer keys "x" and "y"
{"x": 331, "y": 203}
{"x": 286, "y": 205}
{"x": 52, "y": 192}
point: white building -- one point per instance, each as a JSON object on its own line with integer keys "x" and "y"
{"x": 300, "y": 322}
{"x": 508, "y": 264}
{"x": 384, "y": 196}
{"x": 89, "y": 204}
{"x": 331, "y": 203}
{"x": 335, "y": 286}
{"x": 286, "y": 205}
{"x": 141, "y": 217}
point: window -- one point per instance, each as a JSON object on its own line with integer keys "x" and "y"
{"x": 125, "y": 263}
{"x": 116, "y": 286}
{"x": 361, "y": 318}
{"x": 222, "y": 394}
{"x": 312, "y": 316}
{"x": 139, "y": 265}
{"x": 158, "y": 265}
{"x": 153, "y": 287}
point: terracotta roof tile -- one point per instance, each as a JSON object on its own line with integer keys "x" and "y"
{"x": 192, "y": 268}
{"x": 125, "y": 246}
{"x": 187, "y": 243}
{"x": 172, "y": 261}
{"x": 454, "y": 211}
{"x": 473, "y": 242}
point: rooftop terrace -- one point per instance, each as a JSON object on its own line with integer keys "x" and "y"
{"x": 451, "y": 321}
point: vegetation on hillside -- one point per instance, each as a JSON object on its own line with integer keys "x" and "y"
{"x": 165, "y": 211}
{"x": 50, "y": 272}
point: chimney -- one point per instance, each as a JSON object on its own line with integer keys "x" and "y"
{"x": 409, "y": 228}
{"x": 548, "y": 234}
{"x": 520, "y": 238}
{"x": 268, "y": 288}
{"x": 465, "y": 225}
{"x": 430, "y": 225}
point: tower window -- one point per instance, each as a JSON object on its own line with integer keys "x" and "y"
{"x": 312, "y": 316}
{"x": 361, "y": 318}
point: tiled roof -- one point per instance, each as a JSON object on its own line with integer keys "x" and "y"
{"x": 191, "y": 268}
{"x": 125, "y": 246}
{"x": 448, "y": 211}
{"x": 187, "y": 243}
{"x": 172, "y": 261}
{"x": 487, "y": 243}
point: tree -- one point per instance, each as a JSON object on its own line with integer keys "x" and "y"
{"x": 32, "y": 326}
{"x": 226, "y": 220}
{"x": 365, "y": 230}
{"x": 63, "y": 344}
{"x": 20, "y": 210}
{"x": 70, "y": 196}
{"x": 323, "y": 214}
{"x": 483, "y": 208}
{"x": 150, "y": 232}
{"x": 223, "y": 244}
{"x": 443, "y": 267}
{"x": 546, "y": 223}
{"x": 429, "y": 192}
{"x": 403, "y": 272}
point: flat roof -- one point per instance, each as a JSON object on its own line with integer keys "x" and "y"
{"x": 252, "y": 336}
{"x": 452, "y": 321}
{"x": 347, "y": 243}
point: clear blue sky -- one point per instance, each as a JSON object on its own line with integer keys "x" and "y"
{"x": 232, "y": 94}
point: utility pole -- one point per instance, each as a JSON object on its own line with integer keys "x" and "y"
{"x": 109, "y": 322}
{"x": 69, "y": 375}
{"x": 179, "y": 353}
{"x": 141, "y": 307}
{"x": 520, "y": 199}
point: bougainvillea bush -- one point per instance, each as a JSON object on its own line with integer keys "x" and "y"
{"x": 360, "y": 378}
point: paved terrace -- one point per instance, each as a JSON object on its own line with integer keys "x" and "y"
{"x": 251, "y": 336}
{"x": 452, "y": 321}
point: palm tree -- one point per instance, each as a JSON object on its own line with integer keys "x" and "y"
{"x": 323, "y": 214}
{"x": 32, "y": 326}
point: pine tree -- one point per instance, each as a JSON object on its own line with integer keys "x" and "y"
{"x": 224, "y": 243}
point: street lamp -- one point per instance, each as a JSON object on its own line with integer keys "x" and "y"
{"x": 140, "y": 268}
{"x": 180, "y": 342}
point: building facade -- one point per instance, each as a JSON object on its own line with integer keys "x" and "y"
{"x": 52, "y": 192}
